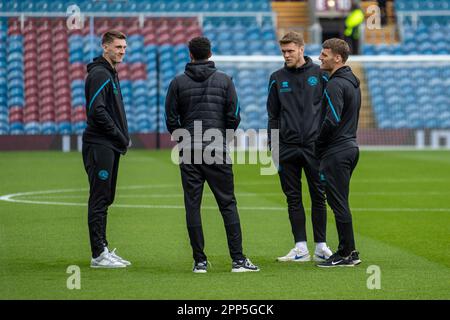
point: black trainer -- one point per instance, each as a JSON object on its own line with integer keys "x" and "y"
{"x": 336, "y": 260}
{"x": 354, "y": 256}
{"x": 200, "y": 267}
{"x": 244, "y": 265}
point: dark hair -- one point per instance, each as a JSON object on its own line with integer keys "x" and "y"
{"x": 338, "y": 46}
{"x": 200, "y": 48}
{"x": 110, "y": 35}
{"x": 293, "y": 37}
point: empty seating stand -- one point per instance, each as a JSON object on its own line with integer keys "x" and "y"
{"x": 42, "y": 82}
{"x": 407, "y": 95}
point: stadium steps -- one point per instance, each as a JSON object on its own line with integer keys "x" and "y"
{"x": 367, "y": 119}
{"x": 292, "y": 16}
{"x": 389, "y": 33}
{"x": 391, "y": 17}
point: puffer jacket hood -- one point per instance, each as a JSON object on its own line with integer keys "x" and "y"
{"x": 200, "y": 71}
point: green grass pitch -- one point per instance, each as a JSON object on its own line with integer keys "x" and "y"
{"x": 400, "y": 205}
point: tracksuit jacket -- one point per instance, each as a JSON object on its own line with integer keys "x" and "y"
{"x": 340, "y": 113}
{"x": 294, "y": 103}
{"x": 106, "y": 118}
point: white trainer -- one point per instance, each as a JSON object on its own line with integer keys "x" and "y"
{"x": 320, "y": 255}
{"x": 120, "y": 259}
{"x": 296, "y": 255}
{"x": 105, "y": 260}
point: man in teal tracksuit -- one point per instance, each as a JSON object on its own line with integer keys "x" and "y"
{"x": 104, "y": 140}
{"x": 293, "y": 107}
{"x": 336, "y": 145}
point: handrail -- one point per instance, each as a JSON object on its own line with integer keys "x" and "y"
{"x": 360, "y": 58}
{"x": 415, "y": 17}
{"x": 259, "y": 15}
{"x": 424, "y": 12}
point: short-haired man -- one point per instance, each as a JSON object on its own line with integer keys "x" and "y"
{"x": 104, "y": 140}
{"x": 336, "y": 145}
{"x": 203, "y": 95}
{"x": 293, "y": 107}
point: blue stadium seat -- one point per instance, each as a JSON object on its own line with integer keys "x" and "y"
{"x": 48, "y": 128}
{"x": 16, "y": 128}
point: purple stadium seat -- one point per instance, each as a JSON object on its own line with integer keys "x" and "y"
{"x": 63, "y": 97}
{"x": 14, "y": 27}
{"x": 32, "y": 91}
{"x": 62, "y": 118}
{"x": 164, "y": 38}
{"x": 64, "y": 108}
{"x": 50, "y": 108}
{"x": 16, "y": 114}
{"x": 46, "y": 92}
{"x": 61, "y": 66}
{"x": 32, "y": 100}
{"x": 47, "y": 117}
{"x": 45, "y": 48}
{"x": 45, "y": 73}
{"x": 30, "y": 117}
{"x": 30, "y": 46}
{"x": 48, "y": 100}
{"x": 48, "y": 82}
{"x": 149, "y": 37}
{"x": 30, "y": 55}
{"x": 60, "y": 38}
{"x": 29, "y": 36}
{"x": 30, "y": 82}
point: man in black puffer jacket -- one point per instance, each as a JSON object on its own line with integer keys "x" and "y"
{"x": 199, "y": 100}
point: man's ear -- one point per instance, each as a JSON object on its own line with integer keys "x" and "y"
{"x": 191, "y": 56}
{"x": 338, "y": 58}
{"x": 210, "y": 55}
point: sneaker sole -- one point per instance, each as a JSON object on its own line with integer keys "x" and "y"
{"x": 294, "y": 260}
{"x": 244, "y": 270}
{"x": 200, "y": 271}
{"x": 337, "y": 266}
{"x": 356, "y": 262}
{"x": 108, "y": 267}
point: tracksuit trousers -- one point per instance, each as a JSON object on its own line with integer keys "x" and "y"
{"x": 335, "y": 172}
{"x": 101, "y": 165}
{"x": 292, "y": 162}
{"x": 220, "y": 179}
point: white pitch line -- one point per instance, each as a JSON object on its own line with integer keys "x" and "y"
{"x": 242, "y": 208}
{"x": 11, "y": 198}
{"x": 238, "y": 194}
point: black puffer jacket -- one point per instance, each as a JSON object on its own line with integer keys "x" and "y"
{"x": 202, "y": 94}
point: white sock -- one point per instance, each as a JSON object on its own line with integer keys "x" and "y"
{"x": 320, "y": 246}
{"x": 301, "y": 245}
